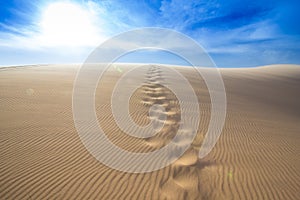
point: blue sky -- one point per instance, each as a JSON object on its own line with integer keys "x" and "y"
{"x": 234, "y": 33}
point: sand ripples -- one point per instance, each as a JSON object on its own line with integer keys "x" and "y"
{"x": 257, "y": 156}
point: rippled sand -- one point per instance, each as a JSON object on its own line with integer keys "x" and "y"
{"x": 256, "y": 157}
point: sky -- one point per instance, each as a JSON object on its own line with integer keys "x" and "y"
{"x": 234, "y": 33}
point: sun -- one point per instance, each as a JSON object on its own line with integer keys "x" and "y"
{"x": 65, "y": 23}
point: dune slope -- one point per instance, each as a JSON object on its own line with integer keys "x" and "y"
{"x": 256, "y": 157}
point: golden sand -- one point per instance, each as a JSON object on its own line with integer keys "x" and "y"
{"x": 256, "y": 157}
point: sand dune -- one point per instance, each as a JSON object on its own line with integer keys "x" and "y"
{"x": 256, "y": 157}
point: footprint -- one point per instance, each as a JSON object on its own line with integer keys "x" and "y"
{"x": 171, "y": 190}
{"x": 189, "y": 158}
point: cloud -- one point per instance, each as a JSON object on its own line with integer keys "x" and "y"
{"x": 212, "y": 14}
{"x": 66, "y": 32}
{"x": 234, "y": 32}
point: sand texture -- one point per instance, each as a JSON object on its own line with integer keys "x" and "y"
{"x": 256, "y": 157}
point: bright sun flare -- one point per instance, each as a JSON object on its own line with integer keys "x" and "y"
{"x": 67, "y": 24}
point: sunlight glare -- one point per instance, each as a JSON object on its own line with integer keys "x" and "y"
{"x": 65, "y": 23}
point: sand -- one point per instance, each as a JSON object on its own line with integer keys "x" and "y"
{"x": 256, "y": 157}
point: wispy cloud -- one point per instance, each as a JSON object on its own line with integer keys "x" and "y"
{"x": 235, "y": 33}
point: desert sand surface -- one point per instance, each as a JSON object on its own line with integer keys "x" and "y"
{"x": 256, "y": 157}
